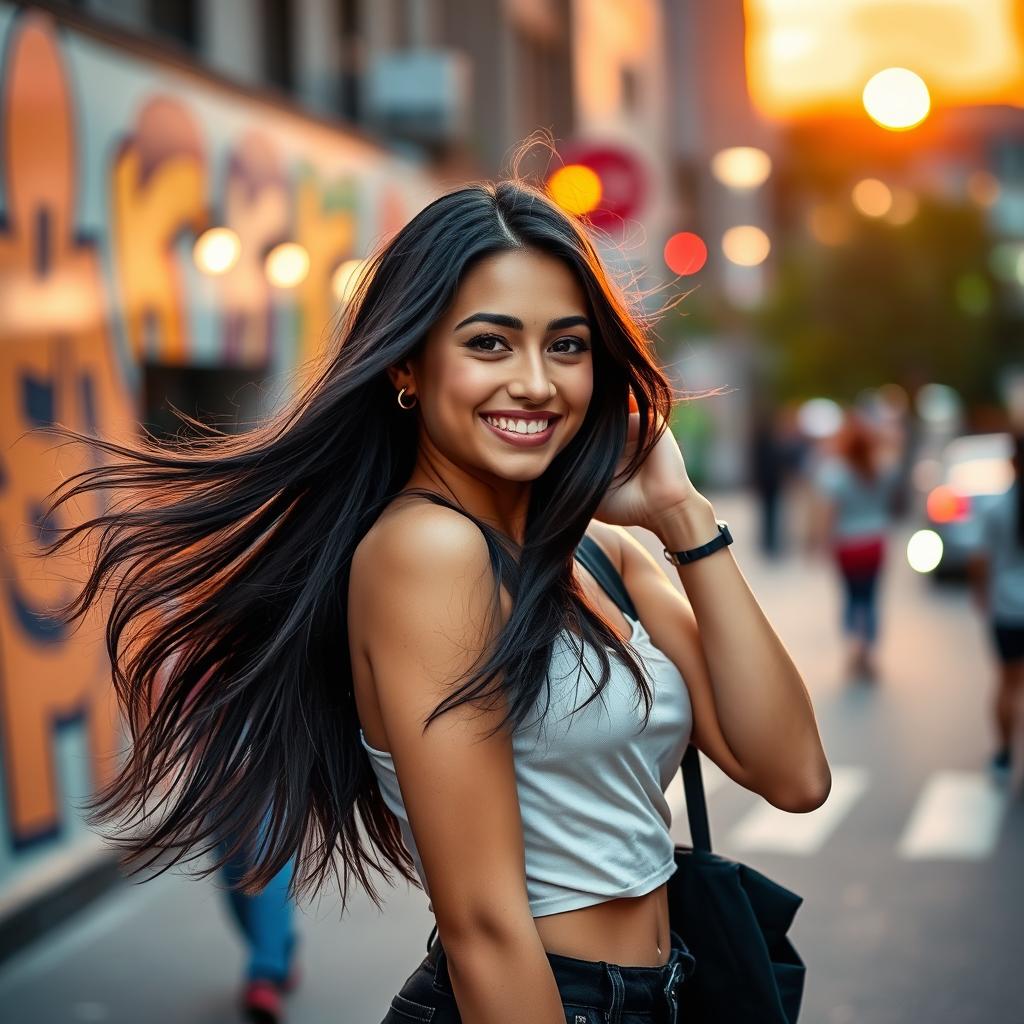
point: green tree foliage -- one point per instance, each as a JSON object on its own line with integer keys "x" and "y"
{"x": 908, "y": 304}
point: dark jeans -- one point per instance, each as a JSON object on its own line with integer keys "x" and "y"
{"x": 860, "y": 613}
{"x": 593, "y": 992}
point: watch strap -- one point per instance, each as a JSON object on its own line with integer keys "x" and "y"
{"x": 723, "y": 539}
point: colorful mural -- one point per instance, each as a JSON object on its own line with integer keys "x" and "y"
{"x": 112, "y": 166}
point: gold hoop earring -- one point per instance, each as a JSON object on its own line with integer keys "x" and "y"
{"x": 402, "y": 404}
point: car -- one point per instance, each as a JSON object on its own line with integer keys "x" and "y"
{"x": 973, "y": 471}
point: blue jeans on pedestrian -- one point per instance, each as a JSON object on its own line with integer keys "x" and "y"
{"x": 860, "y": 613}
{"x": 592, "y": 992}
{"x": 264, "y": 919}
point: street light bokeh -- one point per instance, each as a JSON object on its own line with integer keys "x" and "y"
{"x": 872, "y": 197}
{"x": 685, "y": 253}
{"x": 741, "y": 167}
{"x": 216, "y": 251}
{"x": 287, "y": 265}
{"x": 576, "y": 188}
{"x": 746, "y": 245}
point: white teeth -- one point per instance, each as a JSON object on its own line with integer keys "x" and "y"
{"x": 518, "y": 426}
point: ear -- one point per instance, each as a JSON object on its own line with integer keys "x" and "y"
{"x": 401, "y": 374}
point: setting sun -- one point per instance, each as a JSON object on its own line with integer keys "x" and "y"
{"x": 897, "y": 99}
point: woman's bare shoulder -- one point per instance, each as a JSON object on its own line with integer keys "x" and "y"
{"x": 412, "y": 540}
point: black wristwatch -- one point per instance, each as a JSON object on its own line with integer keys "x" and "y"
{"x": 723, "y": 539}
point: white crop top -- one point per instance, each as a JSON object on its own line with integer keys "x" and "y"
{"x": 591, "y": 787}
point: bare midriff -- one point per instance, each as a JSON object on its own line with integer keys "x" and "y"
{"x": 631, "y": 932}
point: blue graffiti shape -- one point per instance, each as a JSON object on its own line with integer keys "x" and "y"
{"x": 37, "y": 400}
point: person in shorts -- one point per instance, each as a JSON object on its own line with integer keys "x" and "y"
{"x": 997, "y": 574}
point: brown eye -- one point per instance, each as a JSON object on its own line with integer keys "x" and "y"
{"x": 472, "y": 343}
{"x": 583, "y": 346}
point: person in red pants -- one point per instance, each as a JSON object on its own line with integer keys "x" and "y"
{"x": 858, "y": 492}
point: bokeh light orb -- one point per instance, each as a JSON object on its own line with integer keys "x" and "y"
{"x": 286, "y": 265}
{"x": 345, "y": 279}
{"x": 819, "y": 418}
{"x": 741, "y": 167}
{"x": 746, "y": 245}
{"x": 897, "y": 99}
{"x": 872, "y": 197}
{"x": 938, "y": 404}
{"x": 216, "y": 250}
{"x": 903, "y": 208}
{"x": 576, "y": 188}
{"x": 829, "y": 224}
{"x": 685, "y": 253}
{"x": 924, "y": 551}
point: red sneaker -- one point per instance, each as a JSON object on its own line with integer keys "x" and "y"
{"x": 262, "y": 1002}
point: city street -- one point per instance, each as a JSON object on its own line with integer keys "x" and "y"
{"x": 911, "y": 872}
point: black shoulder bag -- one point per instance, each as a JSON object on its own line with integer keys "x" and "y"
{"x": 733, "y": 919}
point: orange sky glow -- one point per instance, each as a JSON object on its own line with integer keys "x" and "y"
{"x": 812, "y": 57}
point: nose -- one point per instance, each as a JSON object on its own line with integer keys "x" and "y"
{"x": 532, "y": 383}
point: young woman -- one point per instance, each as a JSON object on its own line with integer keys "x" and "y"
{"x": 412, "y": 671}
{"x": 997, "y": 574}
{"x": 858, "y": 494}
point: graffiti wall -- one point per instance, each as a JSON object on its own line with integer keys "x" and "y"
{"x": 111, "y": 166}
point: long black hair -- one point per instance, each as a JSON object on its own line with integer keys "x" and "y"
{"x": 227, "y": 558}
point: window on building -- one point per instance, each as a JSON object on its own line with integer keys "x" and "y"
{"x": 350, "y": 29}
{"x": 543, "y": 83}
{"x": 630, "y": 90}
{"x": 278, "y": 65}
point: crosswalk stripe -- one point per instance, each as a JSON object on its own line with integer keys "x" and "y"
{"x": 768, "y": 829}
{"x": 957, "y": 817}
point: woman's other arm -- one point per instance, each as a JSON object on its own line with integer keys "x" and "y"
{"x": 428, "y": 615}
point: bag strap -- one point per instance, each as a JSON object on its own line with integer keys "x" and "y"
{"x": 597, "y": 563}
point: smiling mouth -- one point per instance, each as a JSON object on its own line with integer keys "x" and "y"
{"x": 521, "y": 432}
{"x": 524, "y": 428}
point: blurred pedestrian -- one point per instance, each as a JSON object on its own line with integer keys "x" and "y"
{"x": 768, "y": 470}
{"x": 997, "y": 576}
{"x": 264, "y": 917}
{"x": 264, "y": 920}
{"x": 856, "y": 495}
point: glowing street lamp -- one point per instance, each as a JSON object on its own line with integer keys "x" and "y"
{"x": 685, "y": 253}
{"x": 576, "y": 188}
{"x": 872, "y": 197}
{"x": 741, "y": 167}
{"x": 746, "y": 245}
{"x": 897, "y": 99}
{"x": 345, "y": 279}
{"x": 286, "y": 265}
{"x": 216, "y": 251}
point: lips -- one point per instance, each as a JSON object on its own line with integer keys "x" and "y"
{"x": 524, "y": 440}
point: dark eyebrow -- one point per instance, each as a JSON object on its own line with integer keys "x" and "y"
{"x": 501, "y": 320}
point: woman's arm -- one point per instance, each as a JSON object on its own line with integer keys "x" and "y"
{"x": 752, "y": 712}
{"x": 427, "y": 616}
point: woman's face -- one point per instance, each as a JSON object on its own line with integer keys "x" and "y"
{"x": 505, "y": 377}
